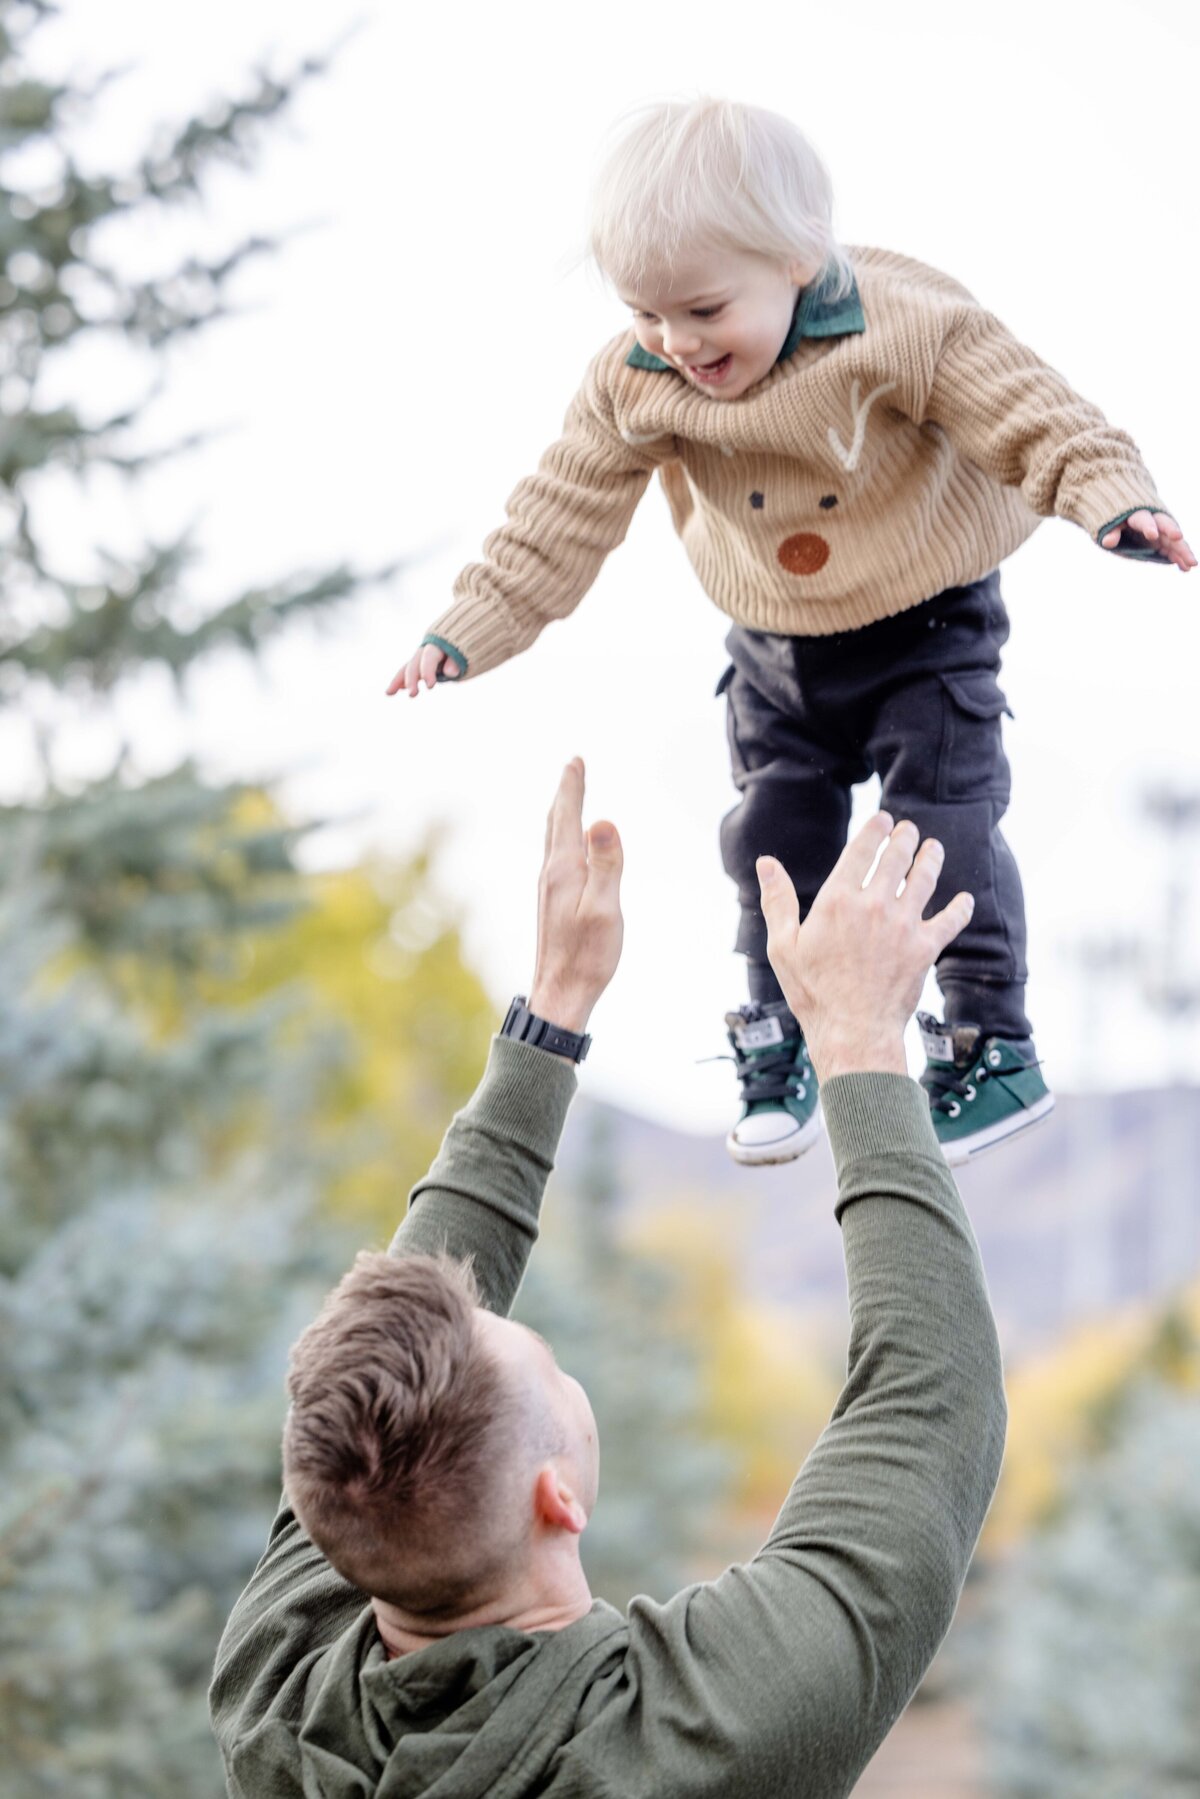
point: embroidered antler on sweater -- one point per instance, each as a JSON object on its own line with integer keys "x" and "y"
{"x": 961, "y": 439}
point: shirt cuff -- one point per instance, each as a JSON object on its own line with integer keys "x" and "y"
{"x": 524, "y": 1096}
{"x": 877, "y": 1115}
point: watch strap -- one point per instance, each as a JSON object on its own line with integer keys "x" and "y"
{"x": 527, "y": 1027}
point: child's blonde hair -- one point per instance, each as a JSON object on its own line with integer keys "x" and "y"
{"x": 712, "y": 174}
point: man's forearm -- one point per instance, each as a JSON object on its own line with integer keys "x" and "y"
{"x": 482, "y": 1197}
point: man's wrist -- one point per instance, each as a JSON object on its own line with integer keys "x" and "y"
{"x": 569, "y": 1012}
{"x": 882, "y": 1054}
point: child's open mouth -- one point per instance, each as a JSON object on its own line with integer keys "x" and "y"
{"x": 710, "y": 371}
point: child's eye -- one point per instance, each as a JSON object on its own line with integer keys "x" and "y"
{"x": 706, "y": 312}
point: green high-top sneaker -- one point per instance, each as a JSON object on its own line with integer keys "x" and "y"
{"x": 982, "y": 1090}
{"x": 780, "y": 1115}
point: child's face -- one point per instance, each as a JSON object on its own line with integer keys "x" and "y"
{"x": 721, "y": 317}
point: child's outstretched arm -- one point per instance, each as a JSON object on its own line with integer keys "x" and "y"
{"x": 562, "y": 523}
{"x": 1024, "y": 425}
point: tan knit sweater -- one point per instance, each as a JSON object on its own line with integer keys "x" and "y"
{"x": 905, "y": 444}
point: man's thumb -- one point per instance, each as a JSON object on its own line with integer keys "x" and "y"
{"x": 604, "y": 847}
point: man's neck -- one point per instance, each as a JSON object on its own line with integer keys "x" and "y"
{"x": 402, "y": 1633}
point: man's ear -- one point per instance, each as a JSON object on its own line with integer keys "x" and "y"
{"x": 555, "y": 1503}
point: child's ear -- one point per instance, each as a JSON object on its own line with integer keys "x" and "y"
{"x": 802, "y": 273}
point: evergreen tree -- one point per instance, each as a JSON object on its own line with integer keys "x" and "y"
{"x": 1088, "y": 1652}
{"x": 157, "y": 1174}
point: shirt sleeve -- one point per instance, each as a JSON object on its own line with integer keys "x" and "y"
{"x": 1021, "y": 422}
{"x": 562, "y": 522}
{"x": 482, "y": 1197}
{"x": 786, "y": 1673}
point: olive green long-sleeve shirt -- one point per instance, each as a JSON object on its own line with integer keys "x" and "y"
{"x": 782, "y": 1676}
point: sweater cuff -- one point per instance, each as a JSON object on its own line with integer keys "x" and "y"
{"x": 524, "y": 1096}
{"x": 877, "y": 1115}
{"x": 480, "y": 627}
{"x": 1106, "y": 498}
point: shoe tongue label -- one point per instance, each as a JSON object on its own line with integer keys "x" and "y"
{"x": 759, "y": 1035}
{"x": 938, "y": 1045}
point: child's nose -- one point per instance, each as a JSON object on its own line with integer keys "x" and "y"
{"x": 680, "y": 343}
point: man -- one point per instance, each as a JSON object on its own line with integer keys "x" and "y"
{"x": 420, "y": 1623}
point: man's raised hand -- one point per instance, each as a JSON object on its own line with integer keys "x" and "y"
{"x": 580, "y": 928}
{"x": 852, "y": 973}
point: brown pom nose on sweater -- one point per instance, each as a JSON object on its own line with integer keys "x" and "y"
{"x": 804, "y": 553}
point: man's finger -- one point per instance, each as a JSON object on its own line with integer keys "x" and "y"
{"x": 564, "y": 828}
{"x": 922, "y": 877}
{"x": 945, "y": 925}
{"x": 780, "y": 907}
{"x": 854, "y": 863}
{"x": 897, "y": 858}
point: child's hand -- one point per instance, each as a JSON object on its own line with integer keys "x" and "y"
{"x": 425, "y": 665}
{"x": 1160, "y": 530}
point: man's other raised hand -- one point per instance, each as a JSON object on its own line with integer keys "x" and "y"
{"x": 852, "y": 973}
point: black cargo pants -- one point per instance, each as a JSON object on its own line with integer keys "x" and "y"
{"x": 916, "y": 700}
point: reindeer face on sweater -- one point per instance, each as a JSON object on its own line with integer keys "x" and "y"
{"x": 803, "y": 553}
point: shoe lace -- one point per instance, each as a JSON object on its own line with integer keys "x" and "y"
{"x": 949, "y": 1091}
{"x": 770, "y": 1074}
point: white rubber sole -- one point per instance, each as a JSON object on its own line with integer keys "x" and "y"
{"x": 788, "y": 1149}
{"x": 967, "y": 1148}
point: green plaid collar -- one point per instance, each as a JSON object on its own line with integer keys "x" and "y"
{"x": 817, "y": 314}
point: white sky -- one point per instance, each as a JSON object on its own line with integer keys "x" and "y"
{"x": 406, "y": 359}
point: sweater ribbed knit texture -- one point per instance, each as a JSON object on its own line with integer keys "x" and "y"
{"x": 941, "y": 438}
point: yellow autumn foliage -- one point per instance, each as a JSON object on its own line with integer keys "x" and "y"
{"x": 1058, "y": 1403}
{"x": 769, "y": 1387}
{"x": 385, "y": 969}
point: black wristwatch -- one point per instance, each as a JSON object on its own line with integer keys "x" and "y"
{"x": 527, "y": 1027}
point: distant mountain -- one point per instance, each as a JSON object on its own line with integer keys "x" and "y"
{"x": 1096, "y": 1208}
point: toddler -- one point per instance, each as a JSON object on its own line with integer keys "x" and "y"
{"x": 849, "y": 445}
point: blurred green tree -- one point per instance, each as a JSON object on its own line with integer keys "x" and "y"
{"x": 184, "y": 1128}
{"x": 157, "y": 1170}
{"x": 1086, "y": 1654}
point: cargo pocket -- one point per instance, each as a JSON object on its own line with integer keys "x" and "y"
{"x": 972, "y": 763}
{"x": 737, "y": 762}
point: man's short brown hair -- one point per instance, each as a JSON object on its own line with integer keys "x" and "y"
{"x": 398, "y": 1449}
